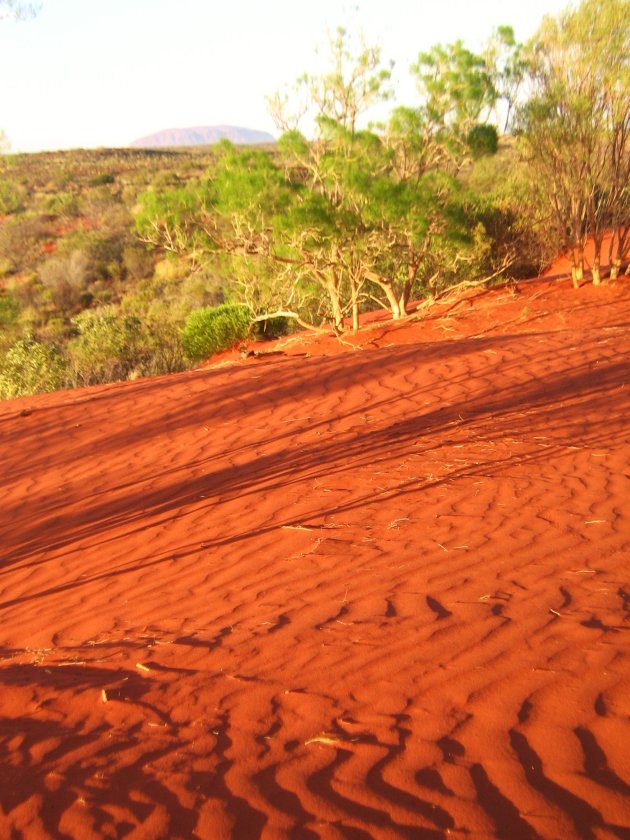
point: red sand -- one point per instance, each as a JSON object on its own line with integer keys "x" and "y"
{"x": 380, "y": 593}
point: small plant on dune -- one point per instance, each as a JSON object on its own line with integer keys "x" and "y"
{"x": 214, "y": 328}
{"x": 108, "y": 347}
{"x": 12, "y": 197}
{"x": 30, "y": 368}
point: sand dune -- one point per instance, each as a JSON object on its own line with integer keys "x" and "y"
{"x": 329, "y": 593}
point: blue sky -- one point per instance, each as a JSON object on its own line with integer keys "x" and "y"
{"x": 87, "y": 73}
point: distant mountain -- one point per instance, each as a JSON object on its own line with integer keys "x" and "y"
{"x": 203, "y": 136}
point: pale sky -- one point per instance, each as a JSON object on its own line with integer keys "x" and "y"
{"x": 86, "y": 73}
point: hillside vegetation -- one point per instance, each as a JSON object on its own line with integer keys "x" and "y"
{"x": 112, "y": 261}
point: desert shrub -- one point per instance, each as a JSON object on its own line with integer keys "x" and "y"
{"x": 10, "y": 329}
{"x": 12, "y": 196}
{"x": 20, "y": 240}
{"x": 171, "y": 268}
{"x": 165, "y": 179}
{"x": 102, "y": 248}
{"x": 137, "y": 261}
{"x": 101, "y": 179}
{"x": 198, "y": 290}
{"x": 272, "y": 328}
{"x": 30, "y": 367}
{"x": 163, "y": 350}
{"x": 103, "y": 205}
{"x": 213, "y": 329}
{"x": 107, "y": 348}
{"x": 509, "y": 204}
{"x": 66, "y": 279}
{"x": 483, "y": 140}
{"x": 9, "y": 310}
{"x": 63, "y": 204}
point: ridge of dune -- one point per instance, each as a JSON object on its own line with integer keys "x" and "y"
{"x": 328, "y": 592}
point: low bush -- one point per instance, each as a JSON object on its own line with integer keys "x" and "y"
{"x": 66, "y": 279}
{"x": 108, "y": 347}
{"x": 214, "y": 328}
{"x": 12, "y": 196}
{"x": 101, "y": 178}
{"x": 272, "y": 328}
{"x": 483, "y": 140}
{"x": 9, "y": 309}
{"x": 64, "y": 204}
{"x": 30, "y": 368}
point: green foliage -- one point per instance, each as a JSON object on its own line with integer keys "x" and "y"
{"x": 213, "y": 329}
{"x": 356, "y": 81}
{"x": 101, "y": 179}
{"x": 482, "y": 140}
{"x": 137, "y": 263}
{"x": 170, "y": 219}
{"x": 20, "y": 241}
{"x": 272, "y": 328}
{"x": 30, "y": 368}
{"x": 12, "y": 196}
{"x": 9, "y": 310}
{"x": 336, "y": 219}
{"x": 107, "y": 348}
{"x": 505, "y": 197}
{"x": 456, "y": 86}
{"x": 64, "y": 204}
{"x": 65, "y": 278}
{"x": 575, "y": 123}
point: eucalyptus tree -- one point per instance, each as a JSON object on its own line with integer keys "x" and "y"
{"x": 576, "y": 124}
{"x": 506, "y": 67}
{"x": 352, "y": 214}
{"x": 457, "y": 97}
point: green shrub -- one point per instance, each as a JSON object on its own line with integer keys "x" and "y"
{"x": 12, "y": 196}
{"x": 20, "y": 242}
{"x": 9, "y": 309}
{"x": 30, "y": 368}
{"x": 101, "y": 178}
{"x": 483, "y": 140}
{"x": 163, "y": 348}
{"x": 66, "y": 279}
{"x": 64, "y": 204}
{"x": 272, "y": 328}
{"x": 108, "y": 347}
{"x": 213, "y": 329}
{"x": 137, "y": 261}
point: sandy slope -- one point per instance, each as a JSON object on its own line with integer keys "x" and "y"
{"x": 359, "y": 594}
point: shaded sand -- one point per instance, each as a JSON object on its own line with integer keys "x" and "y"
{"x": 372, "y": 593}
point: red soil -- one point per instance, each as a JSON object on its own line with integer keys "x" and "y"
{"x": 372, "y": 593}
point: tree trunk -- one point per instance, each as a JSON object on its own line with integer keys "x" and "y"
{"x": 618, "y": 244}
{"x": 597, "y": 277}
{"x": 577, "y": 269}
{"x": 598, "y": 244}
{"x": 355, "y": 315}
{"x": 354, "y": 298}
{"x": 333, "y": 294}
{"x": 382, "y": 283}
{"x": 393, "y": 302}
{"x": 403, "y": 300}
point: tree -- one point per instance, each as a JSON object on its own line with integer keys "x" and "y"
{"x": 457, "y": 95}
{"x": 506, "y": 67}
{"x": 577, "y": 123}
{"x": 354, "y": 215}
{"x": 301, "y": 213}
